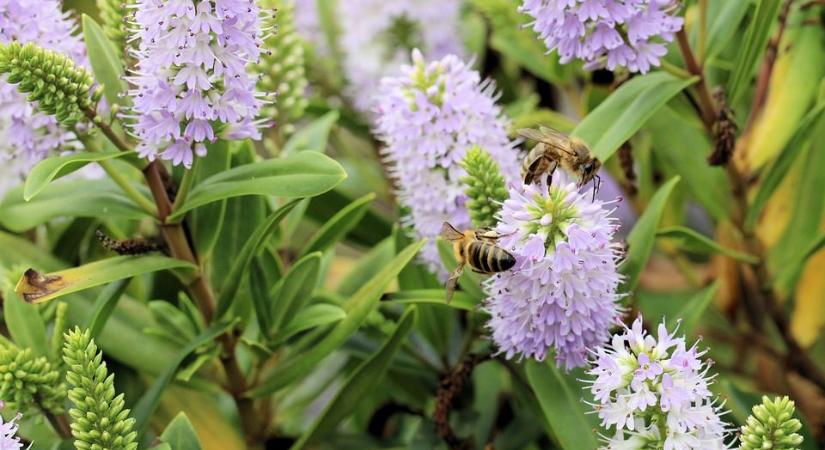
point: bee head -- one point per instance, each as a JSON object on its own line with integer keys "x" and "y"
{"x": 588, "y": 169}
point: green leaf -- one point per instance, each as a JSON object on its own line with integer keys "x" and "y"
{"x": 753, "y": 45}
{"x": 641, "y": 239}
{"x": 180, "y": 434}
{"x": 777, "y": 171}
{"x": 313, "y": 137}
{"x": 55, "y": 167}
{"x": 695, "y": 306}
{"x": 461, "y": 300}
{"x": 372, "y": 228}
{"x": 304, "y": 174}
{"x": 724, "y": 26}
{"x": 560, "y": 397}
{"x": 105, "y": 305}
{"x": 25, "y": 252}
{"x": 361, "y": 383}
{"x": 339, "y": 225}
{"x": 146, "y": 406}
{"x": 684, "y": 148}
{"x": 694, "y": 242}
{"x": 367, "y": 266}
{"x": 357, "y": 307}
{"x": 105, "y": 62}
{"x": 207, "y": 221}
{"x": 241, "y": 263}
{"x": 415, "y": 275}
{"x": 312, "y": 316}
{"x": 35, "y": 287}
{"x": 25, "y": 324}
{"x": 293, "y": 291}
{"x": 626, "y": 110}
{"x": 67, "y": 198}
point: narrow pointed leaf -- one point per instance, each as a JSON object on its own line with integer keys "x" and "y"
{"x": 339, "y": 225}
{"x": 304, "y": 174}
{"x": 561, "y": 400}
{"x": 105, "y": 62}
{"x": 294, "y": 290}
{"x": 35, "y": 287}
{"x": 252, "y": 245}
{"x": 313, "y": 137}
{"x": 55, "y": 167}
{"x": 641, "y": 239}
{"x": 25, "y": 324}
{"x": 363, "y": 381}
{"x": 692, "y": 241}
{"x": 696, "y": 305}
{"x": 357, "y": 307}
{"x": 626, "y": 110}
{"x": 105, "y": 305}
{"x": 180, "y": 434}
{"x": 312, "y": 316}
{"x": 67, "y": 198}
{"x": 753, "y": 45}
{"x": 461, "y": 300}
{"x": 146, "y": 406}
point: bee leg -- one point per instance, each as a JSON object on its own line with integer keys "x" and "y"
{"x": 549, "y": 178}
{"x": 452, "y": 282}
{"x": 597, "y": 184}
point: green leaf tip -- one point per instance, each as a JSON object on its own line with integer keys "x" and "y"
{"x": 99, "y": 419}
{"x": 484, "y": 186}
{"x": 52, "y": 80}
{"x": 282, "y": 67}
{"x": 772, "y": 426}
{"x": 28, "y": 381}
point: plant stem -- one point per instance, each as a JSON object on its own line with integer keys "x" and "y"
{"x": 675, "y": 70}
{"x": 119, "y": 179}
{"x": 185, "y": 185}
{"x": 706, "y": 104}
{"x": 60, "y": 423}
{"x": 180, "y": 248}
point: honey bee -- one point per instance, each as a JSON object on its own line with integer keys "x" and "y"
{"x": 553, "y": 149}
{"x": 478, "y": 249}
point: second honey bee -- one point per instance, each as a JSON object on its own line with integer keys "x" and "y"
{"x": 554, "y": 149}
{"x": 478, "y": 249}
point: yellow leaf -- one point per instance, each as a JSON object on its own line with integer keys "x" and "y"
{"x": 808, "y": 317}
{"x": 215, "y": 430}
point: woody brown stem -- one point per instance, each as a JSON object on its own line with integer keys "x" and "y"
{"x": 706, "y": 106}
{"x": 449, "y": 388}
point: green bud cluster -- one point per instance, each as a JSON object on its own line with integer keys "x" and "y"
{"x": 113, "y": 15}
{"x": 99, "y": 420}
{"x": 282, "y": 67}
{"x": 772, "y": 426}
{"x": 50, "y": 79}
{"x": 484, "y": 187}
{"x": 28, "y": 381}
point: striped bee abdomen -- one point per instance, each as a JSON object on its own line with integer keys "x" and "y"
{"x": 489, "y": 258}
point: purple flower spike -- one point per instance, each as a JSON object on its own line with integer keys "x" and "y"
{"x": 191, "y": 85}
{"x": 653, "y": 393}
{"x": 8, "y": 431}
{"x": 606, "y": 33}
{"x": 428, "y": 117}
{"x": 561, "y": 295}
{"x": 26, "y": 135}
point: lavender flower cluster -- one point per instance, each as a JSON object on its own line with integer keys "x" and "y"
{"x": 26, "y": 135}
{"x": 191, "y": 84}
{"x": 606, "y": 33}
{"x": 562, "y": 293}
{"x": 8, "y": 432}
{"x": 428, "y": 117}
{"x": 377, "y": 37}
{"x": 653, "y": 392}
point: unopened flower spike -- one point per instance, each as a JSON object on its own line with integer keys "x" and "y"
{"x": 99, "y": 419}
{"x": 772, "y": 426}
{"x": 653, "y": 392}
{"x": 192, "y": 85}
{"x": 282, "y": 68}
{"x": 561, "y": 296}
{"x": 428, "y": 118}
{"x": 484, "y": 186}
{"x": 606, "y": 33}
{"x": 114, "y": 15}
{"x": 25, "y": 377}
{"x": 8, "y": 432}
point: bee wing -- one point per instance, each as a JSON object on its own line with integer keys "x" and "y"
{"x": 449, "y": 232}
{"x": 452, "y": 282}
{"x": 533, "y": 135}
{"x": 550, "y": 133}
